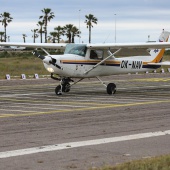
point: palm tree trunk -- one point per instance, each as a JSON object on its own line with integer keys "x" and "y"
{"x": 89, "y": 34}
{"x": 41, "y": 36}
{"x": 69, "y": 39}
{"x": 45, "y": 34}
{"x": 5, "y": 32}
{"x": 34, "y": 39}
{"x": 46, "y": 30}
{"x": 72, "y": 41}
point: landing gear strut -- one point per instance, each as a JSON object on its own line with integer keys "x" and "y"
{"x": 110, "y": 88}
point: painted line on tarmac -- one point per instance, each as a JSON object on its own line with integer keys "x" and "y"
{"x": 13, "y": 110}
{"x": 15, "y": 95}
{"x": 86, "y": 109}
{"x": 63, "y": 146}
{"x": 152, "y": 79}
{"x": 6, "y": 114}
{"x": 52, "y": 101}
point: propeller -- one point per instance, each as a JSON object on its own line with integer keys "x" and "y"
{"x": 46, "y": 59}
{"x": 35, "y": 52}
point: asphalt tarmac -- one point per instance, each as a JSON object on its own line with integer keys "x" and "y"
{"x": 86, "y": 127}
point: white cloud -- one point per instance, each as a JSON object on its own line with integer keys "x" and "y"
{"x": 135, "y": 20}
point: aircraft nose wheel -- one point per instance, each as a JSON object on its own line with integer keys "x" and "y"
{"x": 65, "y": 88}
{"x": 58, "y": 90}
{"x": 111, "y": 88}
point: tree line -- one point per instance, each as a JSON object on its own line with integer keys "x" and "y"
{"x": 69, "y": 30}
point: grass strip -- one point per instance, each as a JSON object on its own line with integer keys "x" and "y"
{"x": 156, "y": 163}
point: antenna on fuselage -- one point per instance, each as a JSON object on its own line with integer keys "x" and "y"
{"x": 107, "y": 38}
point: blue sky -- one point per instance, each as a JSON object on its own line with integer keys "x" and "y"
{"x": 135, "y": 20}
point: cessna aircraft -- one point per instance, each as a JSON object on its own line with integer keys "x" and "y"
{"x": 96, "y": 60}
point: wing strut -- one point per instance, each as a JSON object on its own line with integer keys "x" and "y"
{"x": 112, "y": 54}
{"x": 45, "y": 51}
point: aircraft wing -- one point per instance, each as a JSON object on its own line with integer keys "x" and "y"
{"x": 146, "y": 45}
{"x": 35, "y": 45}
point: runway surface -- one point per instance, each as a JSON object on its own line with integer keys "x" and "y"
{"x": 86, "y": 127}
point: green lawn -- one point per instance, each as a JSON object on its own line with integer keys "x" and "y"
{"x": 157, "y": 163}
{"x": 17, "y": 63}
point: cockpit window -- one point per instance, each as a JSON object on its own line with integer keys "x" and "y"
{"x": 78, "y": 49}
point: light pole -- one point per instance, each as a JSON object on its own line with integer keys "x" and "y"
{"x": 148, "y": 38}
{"x": 115, "y": 28}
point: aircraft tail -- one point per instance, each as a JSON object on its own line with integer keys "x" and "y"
{"x": 157, "y": 54}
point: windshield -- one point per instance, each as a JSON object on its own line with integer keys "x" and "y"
{"x": 78, "y": 49}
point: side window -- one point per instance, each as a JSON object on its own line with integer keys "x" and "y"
{"x": 99, "y": 54}
{"x": 96, "y": 54}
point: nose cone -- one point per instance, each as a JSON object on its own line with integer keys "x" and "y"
{"x": 47, "y": 60}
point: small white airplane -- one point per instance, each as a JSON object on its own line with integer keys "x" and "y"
{"x": 96, "y": 60}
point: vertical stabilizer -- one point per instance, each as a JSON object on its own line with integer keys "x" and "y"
{"x": 164, "y": 36}
{"x": 157, "y": 54}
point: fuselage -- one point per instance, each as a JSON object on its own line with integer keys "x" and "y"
{"x": 77, "y": 60}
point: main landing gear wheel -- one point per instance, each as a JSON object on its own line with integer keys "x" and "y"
{"x": 111, "y": 88}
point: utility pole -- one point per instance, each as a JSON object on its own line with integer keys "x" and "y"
{"x": 79, "y": 24}
{"x": 115, "y": 28}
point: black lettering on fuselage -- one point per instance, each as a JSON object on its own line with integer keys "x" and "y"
{"x": 124, "y": 64}
{"x": 136, "y": 64}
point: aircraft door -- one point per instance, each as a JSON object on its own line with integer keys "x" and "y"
{"x": 96, "y": 54}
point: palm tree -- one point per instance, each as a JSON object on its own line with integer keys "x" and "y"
{"x": 24, "y": 37}
{"x": 71, "y": 31}
{"x": 35, "y": 35}
{"x": 54, "y": 35}
{"x": 60, "y": 32}
{"x": 5, "y": 18}
{"x": 67, "y": 31}
{"x": 75, "y": 32}
{"x": 89, "y": 20}
{"x": 48, "y": 15}
{"x": 41, "y": 31}
{"x": 1, "y": 35}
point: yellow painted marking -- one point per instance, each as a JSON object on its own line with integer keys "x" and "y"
{"x": 7, "y": 114}
{"x": 84, "y": 109}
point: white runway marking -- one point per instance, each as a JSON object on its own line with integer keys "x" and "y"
{"x": 63, "y": 146}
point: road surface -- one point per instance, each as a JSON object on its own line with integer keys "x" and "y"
{"x": 86, "y": 127}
